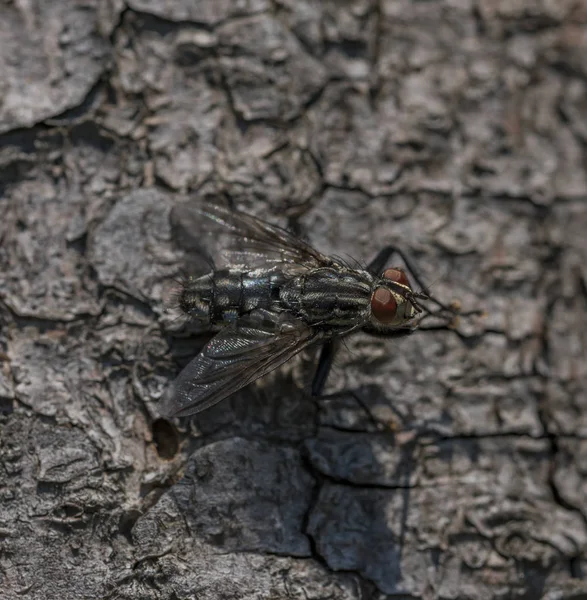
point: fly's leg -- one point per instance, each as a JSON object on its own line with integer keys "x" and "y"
{"x": 329, "y": 349}
{"x": 376, "y": 424}
{"x": 376, "y": 267}
{"x": 323, "y": 368}
{"x": 382, "y": 258}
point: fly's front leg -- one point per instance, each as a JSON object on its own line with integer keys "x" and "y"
{"x": 324, "y": 364}
{"x": 376, "y": 267}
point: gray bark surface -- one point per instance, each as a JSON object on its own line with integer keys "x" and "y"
{"x": 446, "y": 465}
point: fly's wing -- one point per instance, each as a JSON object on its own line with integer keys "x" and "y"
{"x": 235, "y": 357}
{"x": 249, "y": 241}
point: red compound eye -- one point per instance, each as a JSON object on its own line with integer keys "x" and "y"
{"x": 383, "y": 305}
{"x": 396, "y": 275}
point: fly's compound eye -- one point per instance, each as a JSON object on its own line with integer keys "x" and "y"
{"x": 383, "y": 305}
{"x": 396, "y": 275}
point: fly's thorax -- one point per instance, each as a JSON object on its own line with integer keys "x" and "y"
{"x": 224, "y": 295}
{"x": 391, "y": 305}
{"x": 329, "y": 297}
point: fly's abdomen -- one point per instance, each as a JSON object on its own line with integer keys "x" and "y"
{"x": 329, "y": 298}
{"x": 223, "y": 296}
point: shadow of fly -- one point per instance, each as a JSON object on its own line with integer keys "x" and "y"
{"x": 277, "y": 296}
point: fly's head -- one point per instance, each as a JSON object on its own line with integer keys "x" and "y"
{"x": 394, "y": 304}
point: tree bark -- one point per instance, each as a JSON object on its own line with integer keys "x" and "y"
{"x": 445, "y": 465}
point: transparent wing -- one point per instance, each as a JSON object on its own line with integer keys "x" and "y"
{"x": 235, "y": 357}
{"x": 249, "y": 240}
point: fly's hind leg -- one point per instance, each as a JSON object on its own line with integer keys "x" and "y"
{"x": 323, "y": 368}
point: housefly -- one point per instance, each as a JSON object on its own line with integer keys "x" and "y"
{"x": 276, "y": 296}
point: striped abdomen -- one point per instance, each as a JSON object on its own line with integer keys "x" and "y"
{"x": 224, "y": 296}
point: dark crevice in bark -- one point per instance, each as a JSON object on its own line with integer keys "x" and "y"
{"x": 314, "y": 549}
{"x": 553, "y": 264}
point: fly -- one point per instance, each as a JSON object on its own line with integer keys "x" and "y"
{"x": 276, "y": 297}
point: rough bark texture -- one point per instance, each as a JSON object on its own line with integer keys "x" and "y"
{"x": 441, "y": 466}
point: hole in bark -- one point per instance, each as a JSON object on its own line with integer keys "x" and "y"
{"x": 127, "y": 522}
{"x": 165, "y": 438}
{"x": 6, "y": 405}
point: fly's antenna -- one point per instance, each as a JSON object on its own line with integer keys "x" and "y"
{"x": 409, "y": 294}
